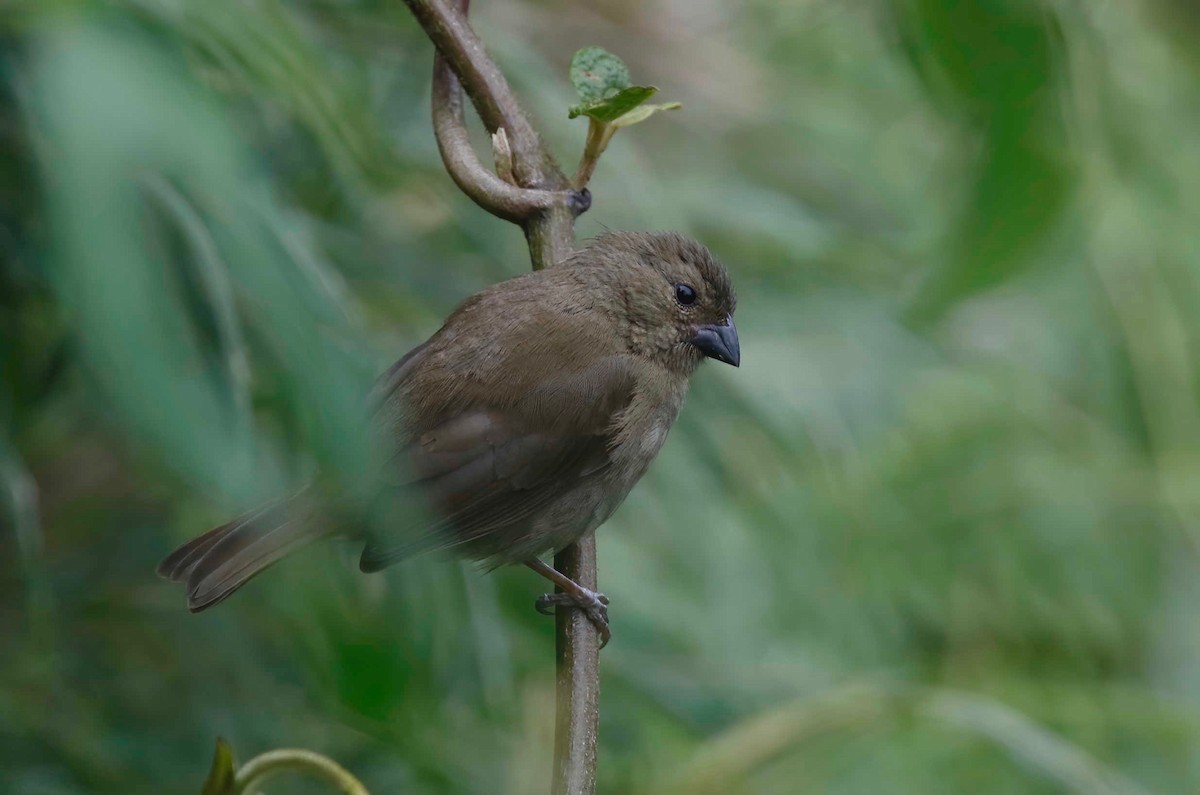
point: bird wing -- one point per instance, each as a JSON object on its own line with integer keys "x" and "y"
{"x": 490, "y": 430}
{"x": 480, "y": 474}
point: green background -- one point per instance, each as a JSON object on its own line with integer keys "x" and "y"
{"x": 939, "y": 532}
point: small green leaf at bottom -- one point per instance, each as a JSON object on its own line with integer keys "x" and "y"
{"x": 221, "y": 775}
{"x": 643, "y": 112}
{"x": 612, "y": 108}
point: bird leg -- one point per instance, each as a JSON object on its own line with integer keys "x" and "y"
{"x": 593, "y": 604}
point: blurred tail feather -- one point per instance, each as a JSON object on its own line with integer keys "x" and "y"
{"x": 217, "y": 563}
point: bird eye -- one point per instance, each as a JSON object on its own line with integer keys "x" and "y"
{"x": 685, "y": 294}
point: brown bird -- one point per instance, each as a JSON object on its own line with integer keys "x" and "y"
{"x": 523, "y": 422}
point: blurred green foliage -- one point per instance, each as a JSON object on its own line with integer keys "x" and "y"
{"x": 938, "y": 534}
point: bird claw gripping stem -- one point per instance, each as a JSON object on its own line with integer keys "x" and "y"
{"x": 594, "y": 605}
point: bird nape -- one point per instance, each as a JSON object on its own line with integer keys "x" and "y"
{"x": 523, "y": 422}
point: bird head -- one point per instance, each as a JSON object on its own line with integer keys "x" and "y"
{"x": 676, "y": 300}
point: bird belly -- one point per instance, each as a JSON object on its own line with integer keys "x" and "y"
{"x": 589, "y": 504}
{"x": 560, "y": 523}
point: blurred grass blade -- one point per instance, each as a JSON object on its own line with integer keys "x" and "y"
{"x": 264, "y": 46}
{"x": 730, "y": 758}
{"x": 218, "y": 290}
{"x": 1029, "y": 743}
{"x": 20, "y": 503}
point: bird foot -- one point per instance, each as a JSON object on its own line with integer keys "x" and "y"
{"x": 594, "y": 605}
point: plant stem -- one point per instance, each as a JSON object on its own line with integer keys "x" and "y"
{"x": 598, "y": 135}
{"x": 577, "y": 684}
{"x": 550, "y": 235}
{"x": 295, "y": 760}
{"x": 445, "y": 22}
{"x": 549, "y": 227}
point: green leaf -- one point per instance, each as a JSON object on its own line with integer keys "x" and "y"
{"x": 614, "y": 107}
{"x": 221, "y": 774}
{"x": 597, "y": 74}
{"x": 643, "y": 112}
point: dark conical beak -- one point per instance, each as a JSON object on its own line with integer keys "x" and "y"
{"x": 719, "y": 341}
